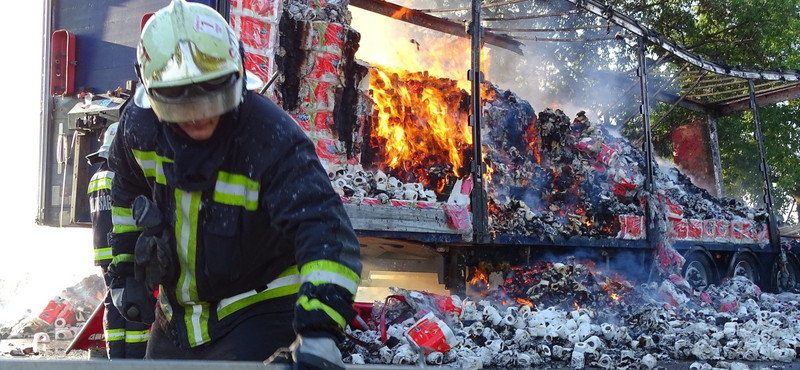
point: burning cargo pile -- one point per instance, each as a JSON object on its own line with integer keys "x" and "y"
{"x": 563, "y": 314}
{"x": 547, "y": 176}
{"x": 582, "y": 181}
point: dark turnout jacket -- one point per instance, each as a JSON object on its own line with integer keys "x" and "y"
{"x": 252, "y": 217}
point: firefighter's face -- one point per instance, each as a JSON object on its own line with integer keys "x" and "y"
{"x": 200, "y": 129}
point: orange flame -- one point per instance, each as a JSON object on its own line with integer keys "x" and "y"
{"x": 479, "y": 276}
{"x": 418, "y": 116}
{"x": 524, "y": 302}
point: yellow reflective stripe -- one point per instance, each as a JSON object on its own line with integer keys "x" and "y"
{"x": 152, "y": 165}
{"x": 315, "y": 304}
{"x": 102, "y": 254}
{"x": 137, "y": 336}
{"x": 164, "y": 304}
{"x": 287, "y": 283}
{"x": 113, "y": 335}
{"x": 197, "y": 313}
{"x": 236, "y": 190}
{"x": 122, "y": 258}
{"x": 123, "y": 220}
{"x": 330, "y": 272}
{"x": 100, "y": 180}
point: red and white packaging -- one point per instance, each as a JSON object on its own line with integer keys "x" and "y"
{"x": 457, "y": 216}
{"x": 317, "y": 95}
{"x": 748, "y": 232}
{"x": 695, "y": 230}
{"x": 679, "y": 229}
{"x": 330, "y": 151}
{"x": 709, "y": 230}
{"x": 431, "y": 334}
{"x": 269, "y": 10}
{"x": 328, "y": 37}
{"x": 631, "y": 227}
{"x": 723, "y": 231}
{"x": 762, "y": 236}
{"x": 607, "y": 155}
{"x": 322, "y": 66}
{"x": 256, "y": 34}
{"x": 259, "y": 64}
{"x": 674, "y": 211}
{"x": 736, "y": 231}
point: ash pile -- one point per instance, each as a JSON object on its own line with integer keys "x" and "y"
{"x": 553, "y": 315}
{"x": 62, "y": 317}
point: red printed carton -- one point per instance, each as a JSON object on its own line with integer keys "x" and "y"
{"x": 259, "y": 64}
{"x": 328, "y": 37}
{"x": 695, "y": 230}
{"x": 322, "y": 66}
{"x": 723, "y": 231}
{"x": 680, "y": 229}
{"x": 709, "y": 230}
{"x": 736, "y": 231}
{"x": 631, "y": 227}
{"x": 256, "y": 34}
{"x": 317, "y": 95}
{"x": 267, "y": 9}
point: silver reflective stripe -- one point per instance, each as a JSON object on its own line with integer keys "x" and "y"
{"x": 102, "y": 175}
{"x": 328, "y": 277}
{"x": 122, "y": 220}
{"x": 237, "y": 190}
{"x": 275, "y": 284}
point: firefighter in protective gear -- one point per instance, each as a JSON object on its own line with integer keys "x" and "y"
{"x": 260, "y": 252}
{"x": 124, "y": 339}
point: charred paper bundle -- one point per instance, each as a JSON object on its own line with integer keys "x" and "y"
{"x": 582, "y": 181}
{"x": 564, "y": 181}
{"x": 563, "y": 285}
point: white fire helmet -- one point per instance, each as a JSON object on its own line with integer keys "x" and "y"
{"x": 190, "y": 63}
{"x": 108, "y": 138}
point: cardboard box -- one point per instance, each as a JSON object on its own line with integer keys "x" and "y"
{"x": 723, "y": 233}
{"x": 679, "y": 229}
{"x": 709, "y": 230}
{"x": 695, "y": 231}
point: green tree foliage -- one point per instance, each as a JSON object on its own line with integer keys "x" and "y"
{"x": 753, "y": 33}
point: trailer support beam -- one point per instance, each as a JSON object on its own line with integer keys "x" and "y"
{"x": 772, "y": 224}
{"x": 648, "y": 144}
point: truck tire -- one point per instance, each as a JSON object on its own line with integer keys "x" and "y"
{"x": 789, "y": 284}
{"x": 745, "y": 264}
{"x": 699, "y": 271}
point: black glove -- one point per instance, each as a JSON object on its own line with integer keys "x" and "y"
{"x": 133, "y": 300}
{"x": 151, "y": 255}
{"x": 316, "y": 354}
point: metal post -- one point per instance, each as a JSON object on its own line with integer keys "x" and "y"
{"x": 719, "y": 186}
{"x": 648, "y": 144}
{"x": 774, "y": 238}
{"x": 480, "y": 218}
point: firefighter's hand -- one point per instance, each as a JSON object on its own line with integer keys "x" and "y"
{"x": 133, "y": 300}
{"x": 316, "y": 354}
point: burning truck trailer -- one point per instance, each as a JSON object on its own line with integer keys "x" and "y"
{"x": 399, "y": 150}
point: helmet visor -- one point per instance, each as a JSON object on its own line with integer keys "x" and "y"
{"x": 197, "y": 101}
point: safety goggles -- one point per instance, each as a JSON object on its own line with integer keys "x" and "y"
{"x": 195, "y": 89}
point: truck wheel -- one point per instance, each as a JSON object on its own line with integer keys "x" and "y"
{"x": 786, "y": 281}
{"x": 698, "y": 271}
{"x": 747, "y": 266}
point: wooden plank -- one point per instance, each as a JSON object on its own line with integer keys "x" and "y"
{"x": 400, "y": 219}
